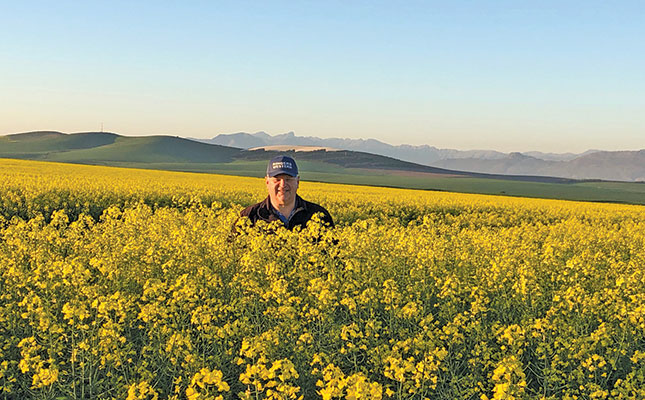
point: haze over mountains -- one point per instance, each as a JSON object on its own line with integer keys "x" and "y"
{"x": 108, "y": 149}
{"x": 173, "y": 152}
{"x": 592, "y": 164}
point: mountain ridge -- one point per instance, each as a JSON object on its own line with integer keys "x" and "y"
{"x": 109, "y": 148}
{"x": 174, "y": 153}
{"x": 592, "y": 164}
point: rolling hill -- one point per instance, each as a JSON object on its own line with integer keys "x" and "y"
{"x": 41, "y": 143}
{"x": 110, "y": 148}
{"x": 342, "y": 166}
{"x": 102, "y": 148}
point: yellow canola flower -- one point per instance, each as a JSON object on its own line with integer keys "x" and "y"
{"x": 120, "y": 275}
{"x": 142, "y": 391}
{"x": 44, "y": 377}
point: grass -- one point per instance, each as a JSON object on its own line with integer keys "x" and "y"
{"x": 43, "y": 144}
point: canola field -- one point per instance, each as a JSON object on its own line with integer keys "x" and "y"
{"x": 134, "y": 284}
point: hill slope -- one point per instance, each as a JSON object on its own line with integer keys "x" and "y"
{"x": 103, "y": 148}
{"x": 387, "y": 165}
{"x": 110, "y": 148}
{"x": 35, "y": 143}
{"x": 350, "y": 167}
{"x": 151, "y": 149}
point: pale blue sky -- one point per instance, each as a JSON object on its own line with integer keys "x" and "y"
{"x": 505, "y": 75}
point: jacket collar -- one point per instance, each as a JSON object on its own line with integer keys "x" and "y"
{"x": 268, "y": 208}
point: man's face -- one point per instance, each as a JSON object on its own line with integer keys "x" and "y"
{"x": 282, "y": 189}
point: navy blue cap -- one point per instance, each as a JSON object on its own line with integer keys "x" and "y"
{"x": 282, "y": 165}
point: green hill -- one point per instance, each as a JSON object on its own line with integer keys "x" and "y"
{"x": 150, "y": 149}
{"x": 384, "y": 165}
{"x": 179, "y": 154}
{"x": 35, "y": 144}
{"x": 104, "y": 148}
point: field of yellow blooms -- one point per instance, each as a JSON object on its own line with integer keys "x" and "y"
{"x": 134, "y": 284}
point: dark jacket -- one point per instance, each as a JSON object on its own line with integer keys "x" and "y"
{"x": 304, "y": 210}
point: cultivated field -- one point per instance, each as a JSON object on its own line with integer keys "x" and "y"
{"x": 118, "y": 283}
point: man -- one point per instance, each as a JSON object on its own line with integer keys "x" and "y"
{"x": 283, "y": 203}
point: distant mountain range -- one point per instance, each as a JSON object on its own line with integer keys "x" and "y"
{"x": 112, "y": 149}
{"x": 593, "y": 164}
{"x": 325, "y": 164}
{"x": 176, "y": 153}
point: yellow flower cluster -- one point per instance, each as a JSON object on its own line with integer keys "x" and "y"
{"x": 335, "y": 384}
{"x": 204, "y": 382}
{"x": 120, "y": 283}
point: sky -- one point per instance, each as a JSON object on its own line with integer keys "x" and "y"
{"x": 553, "y": 76}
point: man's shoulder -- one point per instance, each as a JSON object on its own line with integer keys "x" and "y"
{"x": 247, "y": 211}
{"x": 315, "y": 207}
{"x": 253, "y": 209}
